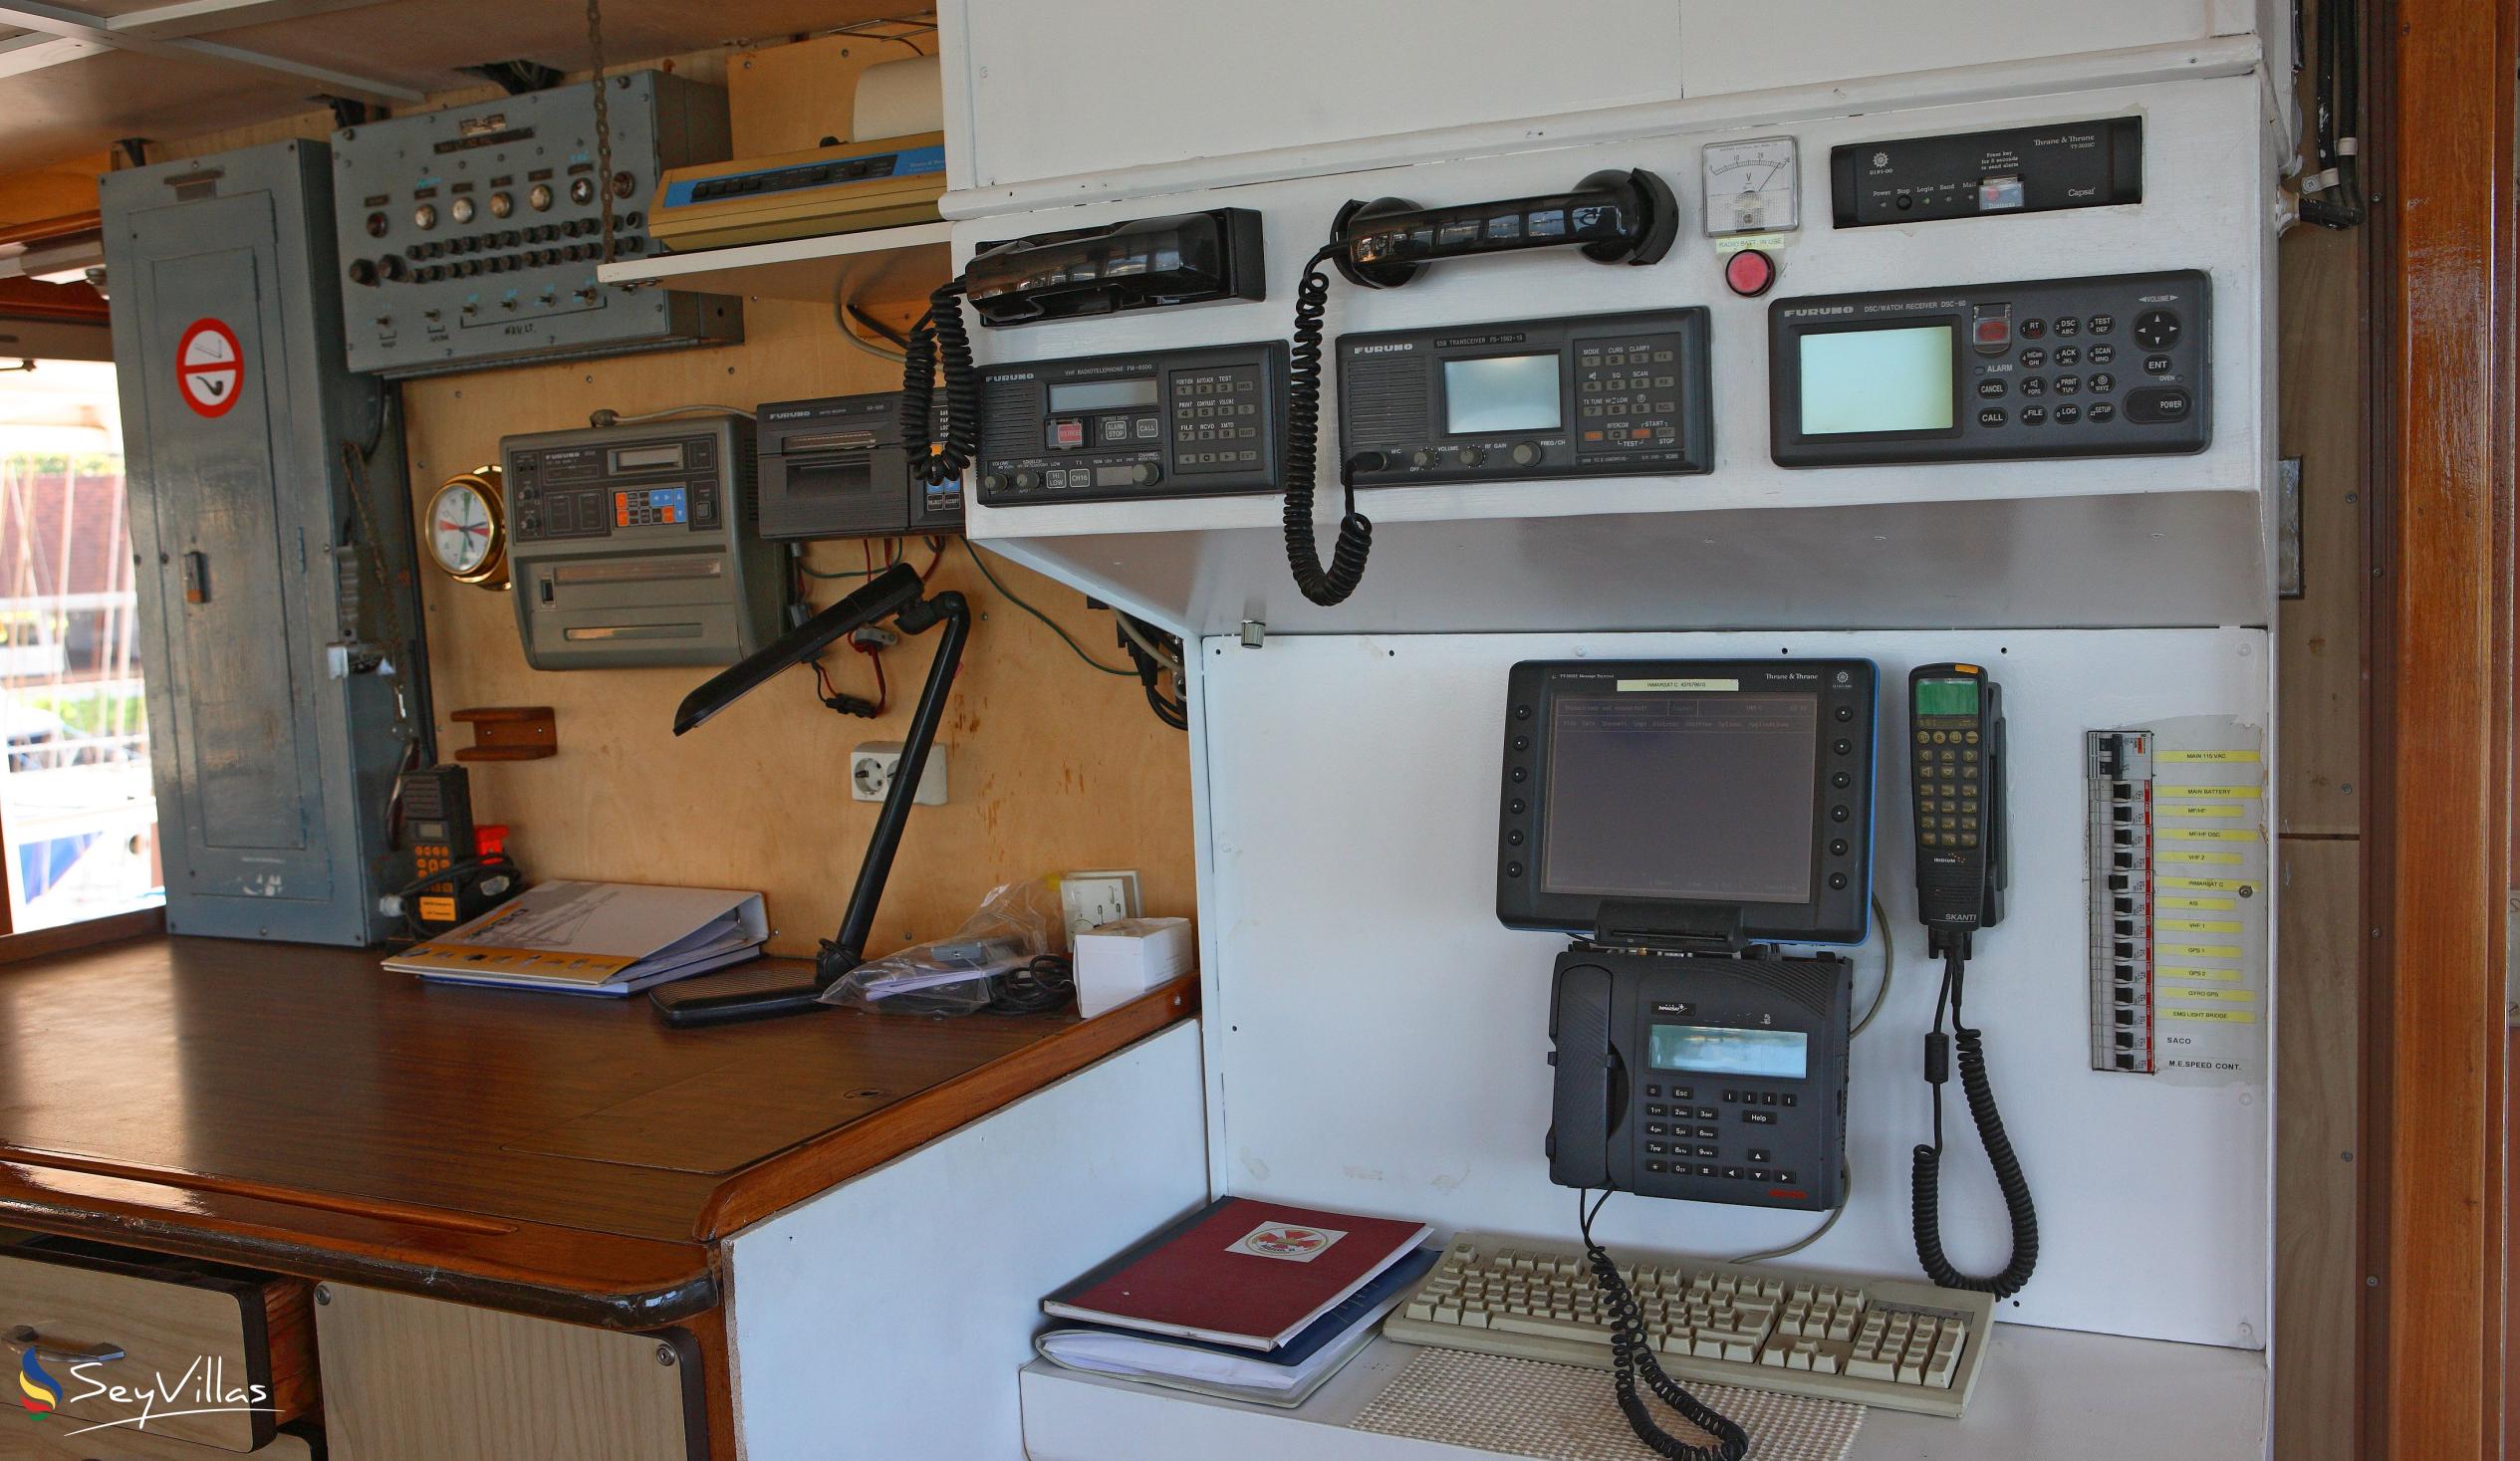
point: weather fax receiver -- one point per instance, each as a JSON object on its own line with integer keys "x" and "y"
{"x": 639, "y": 546}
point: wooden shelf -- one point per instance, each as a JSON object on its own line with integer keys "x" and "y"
{"x": 882, "y": 268}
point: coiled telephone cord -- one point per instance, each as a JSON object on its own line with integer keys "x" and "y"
{"x": 1325, "y": 586}
{"x": 1632, "y": 1356}
{"x": 1927, "y": 1171}
{"x": 939, "y": 334}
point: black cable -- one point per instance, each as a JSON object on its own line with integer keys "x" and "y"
{"x": 940, "y": 457}
{"x": 983, "y": 565}
{"x": 1303, "y": 447}
{"x": 1927, "y": 1193}
{"x": 1632, "y": 1353}
{"x": 1136, "y": 637}
{"x": 2335, "y": 110}
{"x": 1044, "y": 983}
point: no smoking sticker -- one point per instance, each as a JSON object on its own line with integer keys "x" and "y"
{"x": 210, "y": 366}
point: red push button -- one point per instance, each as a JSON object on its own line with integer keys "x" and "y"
{"x": 1067, "y": 435}
{"x": 1750, "y": 273}
{"x": 1994, "y": 332}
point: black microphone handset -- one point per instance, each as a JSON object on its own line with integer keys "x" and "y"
{"x": 1613, "y": 217}
{"x": 1957, "y": 739}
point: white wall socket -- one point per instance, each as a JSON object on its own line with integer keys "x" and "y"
{"x": 871, "y": 768}
{"x": 1092, "y": 899}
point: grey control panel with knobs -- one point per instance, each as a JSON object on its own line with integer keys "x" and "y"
{"x": 1591, "y": 395}
{"x": 1162, "y": 424}
{"x": 470, "y": 237}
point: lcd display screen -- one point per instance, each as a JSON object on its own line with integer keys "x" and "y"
{"x": 1870, "y": 380}
{"x": 1700, "y": 796}
{"x": 1501, "y": 394}
{"x": 1104, "y": 396}
{"x": 1783, "y": 1055}
{"x": 638, "y": 458}
{"x": 1946, "y": 697}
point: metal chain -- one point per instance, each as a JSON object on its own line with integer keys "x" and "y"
{"x": 603, "y": 123}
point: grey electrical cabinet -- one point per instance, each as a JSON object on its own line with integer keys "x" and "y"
{"x": 277, "y": 610}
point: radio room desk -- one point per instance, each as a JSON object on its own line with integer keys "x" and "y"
{"x": 571, "y": 1164}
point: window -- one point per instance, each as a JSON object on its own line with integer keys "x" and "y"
{"x": 77, "y": 812}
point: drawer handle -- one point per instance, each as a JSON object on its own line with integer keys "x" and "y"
{"x": 25, "y": 1340}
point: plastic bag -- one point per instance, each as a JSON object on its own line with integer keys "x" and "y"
{"x": 988, "y": 960}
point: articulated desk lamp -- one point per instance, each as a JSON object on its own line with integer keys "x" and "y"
{"x": 897, "y": 594}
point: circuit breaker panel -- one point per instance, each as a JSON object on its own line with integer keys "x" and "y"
{"x": 2178, "y": 891}
{"x": 278, "y": 609}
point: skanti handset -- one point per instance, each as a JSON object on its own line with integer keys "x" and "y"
{"x": 1955, "y": 742}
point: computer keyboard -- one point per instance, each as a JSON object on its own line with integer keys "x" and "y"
{"x": 1869, "y": 1342}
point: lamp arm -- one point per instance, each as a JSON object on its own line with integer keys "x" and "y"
{"x": 847, "y": 951}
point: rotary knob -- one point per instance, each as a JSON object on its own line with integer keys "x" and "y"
{"x": 1422, "y": 458}
{"x": 1526, "y": 453}
{"x": 1144, "y": 474}
{"x": 1469, "y": 456}
{"x": 1026, "y": 481}
{"x": 994, "y": 481}
{"x": 362, "y": 272}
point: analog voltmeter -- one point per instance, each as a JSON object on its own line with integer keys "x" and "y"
{"x": 1751, "y": 187}
{"x": 466, "y": 528}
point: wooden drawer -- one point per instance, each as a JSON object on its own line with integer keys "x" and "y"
{"x": 50, "y": 1441}
{"x": 407, "y": 1378}
{"x": 215, "y": 1356}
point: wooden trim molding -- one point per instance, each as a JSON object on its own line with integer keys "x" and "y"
{"x": 16, "y": 948}
{"x": 862, "y": 1145}
{"x": 2433, "y": 1363}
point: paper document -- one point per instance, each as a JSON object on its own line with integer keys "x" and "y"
{"x": 607, "y": 938}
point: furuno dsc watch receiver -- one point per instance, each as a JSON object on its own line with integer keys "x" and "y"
{"x": 2113, "y": 365}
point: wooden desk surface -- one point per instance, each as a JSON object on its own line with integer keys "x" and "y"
{"x": 302, "y": 1109}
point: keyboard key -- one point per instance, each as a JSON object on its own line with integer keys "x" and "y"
{"x": 1549, "y": 1328}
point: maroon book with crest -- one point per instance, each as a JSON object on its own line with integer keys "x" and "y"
{"x": 1240, "y": 1272}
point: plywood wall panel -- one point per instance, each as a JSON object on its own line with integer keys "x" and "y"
{"x": 1051, "y": 765}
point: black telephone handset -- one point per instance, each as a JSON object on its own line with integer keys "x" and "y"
{"x": 1614, "y": 217}
{"x": 1589, "y": 1099}
{"x": 1956, "y": 737}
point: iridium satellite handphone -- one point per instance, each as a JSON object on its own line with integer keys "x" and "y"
{"x": 1956, "y": 734}
{"x": 1956, "y": 744}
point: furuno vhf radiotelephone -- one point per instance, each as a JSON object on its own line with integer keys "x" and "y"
{"x": 1141, "y": 264}
{"x": 1677, "y": 816}
{"x": 1613, "y": 217}
{"x": 1956, "y": 731}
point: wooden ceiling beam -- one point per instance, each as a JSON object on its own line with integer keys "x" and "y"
{"x": 80, "y": 25}
{"x": 35, "y": 51}
{"x": 184, "y": 18}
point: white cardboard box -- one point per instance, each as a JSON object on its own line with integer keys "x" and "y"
{"x": 1122, "y": 960}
